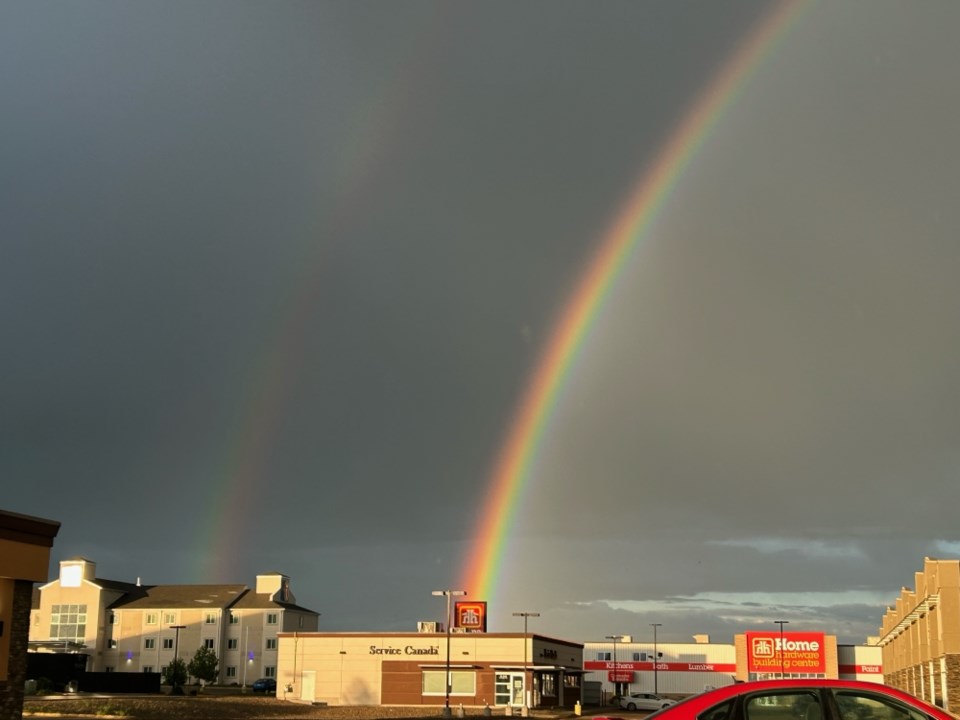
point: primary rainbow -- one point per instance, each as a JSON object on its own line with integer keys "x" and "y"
{"x": 512, "y": 469}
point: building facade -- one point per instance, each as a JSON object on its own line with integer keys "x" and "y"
{"x": 920, "y": 636}
{"x": 679, "y": 669}
{"x": 487, "y": 669}
{"x": 130, "y": 627}
{"x": 25, "y": 544}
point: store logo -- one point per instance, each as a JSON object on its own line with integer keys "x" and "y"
{"x": 471, "y": 616}
{"x": 763, "y": 647}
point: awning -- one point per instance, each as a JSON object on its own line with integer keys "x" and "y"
{"x": 452, "y": 666}
{"x": 542, "y": 668}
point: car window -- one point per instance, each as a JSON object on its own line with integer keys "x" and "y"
{"x": 854, "y": 705}
{"x": 784, "y": 705}
{"x": 717, "y": 712}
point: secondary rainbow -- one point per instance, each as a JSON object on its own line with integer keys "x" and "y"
{"x": 514, "y": 463}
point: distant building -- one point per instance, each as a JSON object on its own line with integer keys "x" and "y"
{"x": 129, "y": 627}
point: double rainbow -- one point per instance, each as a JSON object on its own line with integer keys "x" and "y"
{"x": 513, "y": 467}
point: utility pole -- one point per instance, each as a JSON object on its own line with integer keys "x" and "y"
{"x": 656, "y": 656}
{"x": 781, "y": 623}
{"x": 448, "y": 594}
{"x": 526, "y": 691}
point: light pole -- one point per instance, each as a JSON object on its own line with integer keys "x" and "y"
{"x": 448, "y": 594}
{"x": 656, "y": 656}
{"x": 176, "y": 656}
{"x": 781, "y": 623}
{"x": 525, "y": 615}
{"x": 616, "y": 683}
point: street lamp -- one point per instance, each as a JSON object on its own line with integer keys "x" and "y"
{"x": 656, "y": 655}
{"x": 525, "y": 615}
{"x": 781, "y": 623}
{"x": 616, "y": 683}
{"x": 448, "y": 594}
{"x": 176, "y": 655}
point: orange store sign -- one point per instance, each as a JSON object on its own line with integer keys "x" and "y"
{"x": 793, "y": 652}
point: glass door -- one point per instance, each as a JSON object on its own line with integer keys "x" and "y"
{"x": 508, "y": 689}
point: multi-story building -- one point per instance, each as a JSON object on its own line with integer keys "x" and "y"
{"x": 130, "y": 627}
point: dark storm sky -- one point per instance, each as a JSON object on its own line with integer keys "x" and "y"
{"x": 275, "y": 275}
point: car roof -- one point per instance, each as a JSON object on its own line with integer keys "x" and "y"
{"x": 712, "y": 697}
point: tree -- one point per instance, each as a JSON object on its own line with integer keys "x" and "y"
{"x": 175, "y": 675}
{"x": 204, "y": 665}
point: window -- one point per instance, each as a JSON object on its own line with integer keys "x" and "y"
{"x": 68, "y": 622}
{"x": 603, "y": 656}
{"x": 462, "y": 682}
{"x": 210, "y": 618}
{"x": 232, "y": 643}
{"x": 272, "y": 618}
{"x": 150, "y": 619}
{"x": 234, "y": 619}
{"x": 148, "y": 668}
{"x": 169, "y": 619}
{"x": 208, "y": 643}
{"x": 149, "y": 643}
{"x": 717, "y": 712}
{"x": 854, "y": 705}
{"x": 804, "y": 705}
{"x": 271, "y": 643}
{"x": 168, "y": 643}
{"x": 114, "y": 618}
{"x": 231, "y": 671}
{"x": 270, "y": 671}
{"x": 571, "y": 681}
{"x": 111, "y": 644}
{"x": 548, "y": 685}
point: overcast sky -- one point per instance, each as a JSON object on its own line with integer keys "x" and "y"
{"x": 275, "y": 276}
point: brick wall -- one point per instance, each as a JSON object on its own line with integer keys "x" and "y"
{"x": 11, "y": 691}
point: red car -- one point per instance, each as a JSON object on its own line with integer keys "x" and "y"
{"x": 803, "y": 699}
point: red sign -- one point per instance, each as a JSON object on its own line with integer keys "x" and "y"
{"x": 860, "y": 669}
{"x": 800, "y": 652}
{"x": 470, "y": 616}
{"x": 620, "y": 676}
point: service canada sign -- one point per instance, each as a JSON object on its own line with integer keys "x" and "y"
{"x": 794, "y": 652}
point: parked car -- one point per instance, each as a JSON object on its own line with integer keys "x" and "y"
{"x": 265, "y": 685}
{"x": 803, "y": 699}
{"x": 645, "y": 701}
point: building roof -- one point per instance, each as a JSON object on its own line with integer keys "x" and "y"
{"x": 261, "y": 601}
{"x": 215, "y": 597}
{"x": 28, "y": 529}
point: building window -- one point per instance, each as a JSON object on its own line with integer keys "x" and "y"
{"x": 210, "y": 618}
{"x": 169, "y": 618}
{"x": 461, "y": 682}
{"x": 271, "y": 643}
{"x": 68, "y": 622}
{"x": 571, "y": 681}
{"x": 548, "y": 685}
{"x": 114, "y": 618}
{"x": 234, "y": 618}
{"x": 231, "y": 671}
{"x": 232, "y": 643}
{"x": 271, "y": 618}
{"x": 151, "y": 619}
{"x": 148, "y": 668}
{"x": 168, "y": 643}
{"x": 270, "y": 671}
{"x": 208, "y": 643}
{"x": 149, "y": 643}
{"x": 111, "y": 644}
{"x": 603, "y": 656}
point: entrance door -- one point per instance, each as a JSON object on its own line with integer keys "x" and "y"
{"x": 508, "y": 689}
{"x": 308, "y": 684}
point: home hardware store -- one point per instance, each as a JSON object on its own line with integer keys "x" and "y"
{"x": 495, "y": 669}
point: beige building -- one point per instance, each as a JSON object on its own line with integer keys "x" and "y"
{"x": 920, "y": 636}
{"x": 495, "y": 669}
{"x": 25, "y": 544}
{"x": 129, "y": 627}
